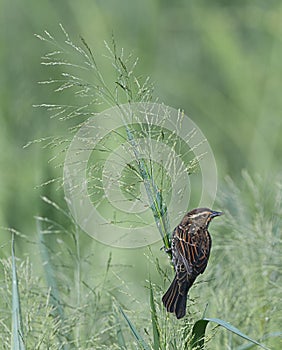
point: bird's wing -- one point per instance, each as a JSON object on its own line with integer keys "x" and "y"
{"x": 193, "y": 250}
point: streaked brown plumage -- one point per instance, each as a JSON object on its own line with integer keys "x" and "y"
{"x": 190, "y": 247}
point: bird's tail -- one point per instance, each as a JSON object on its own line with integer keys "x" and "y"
{"x": 175, "y": 298}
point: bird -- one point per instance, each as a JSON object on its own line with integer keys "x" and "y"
{"x": 190, "y": 249}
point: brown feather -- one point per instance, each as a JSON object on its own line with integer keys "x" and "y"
{"x": 191, "y": 245}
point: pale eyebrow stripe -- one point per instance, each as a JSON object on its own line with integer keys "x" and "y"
{"x": 196, "y": 215}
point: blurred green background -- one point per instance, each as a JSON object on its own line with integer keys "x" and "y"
{"x": 220, "y": 61}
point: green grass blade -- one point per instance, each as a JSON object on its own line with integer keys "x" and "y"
{"x": 235, "y": 330}
{"x": 251, "y": 345}
{"x": 52, "y": 283}
{"x": 155, "y": 323}
{"x": 134, "y": 331}
{"x": 198, "y": 332}
{"x": 49, "y": 273}
{"x": 120, "y": 337}
{"x": 17, "y": 332}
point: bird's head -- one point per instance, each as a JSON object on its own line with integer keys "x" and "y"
{"x": 202, "y": 216}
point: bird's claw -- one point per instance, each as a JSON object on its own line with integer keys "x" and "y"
{"x": 167, "y": 250}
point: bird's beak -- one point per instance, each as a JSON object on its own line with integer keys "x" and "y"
{"x": 216, "y": 213}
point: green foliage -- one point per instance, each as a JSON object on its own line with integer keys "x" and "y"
{"x": 17, "y": 331}
{"x": 155, "y": 322}
{"x": 85, "y": 299}
{"x": 220, "y": 61}
{"x": 140, "y": 341}
{"x": 89, "y": 83}
{"x": 199, "y": 329}
{"x": 55, "y": 300}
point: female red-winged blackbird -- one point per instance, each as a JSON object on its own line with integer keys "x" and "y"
{"x": 190, "y": 247}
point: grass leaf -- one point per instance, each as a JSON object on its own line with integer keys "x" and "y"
{"x": 17, "y": 332}
{"x": 120, "y": 337}
{"x": 134, "y": 331}
{"x": 49, "y": 273}
{"x": 55, "y": 300}
{"x": 251, "y": 345}
{"x": 155, "y": 323}
{"x": 198, "y": 332}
